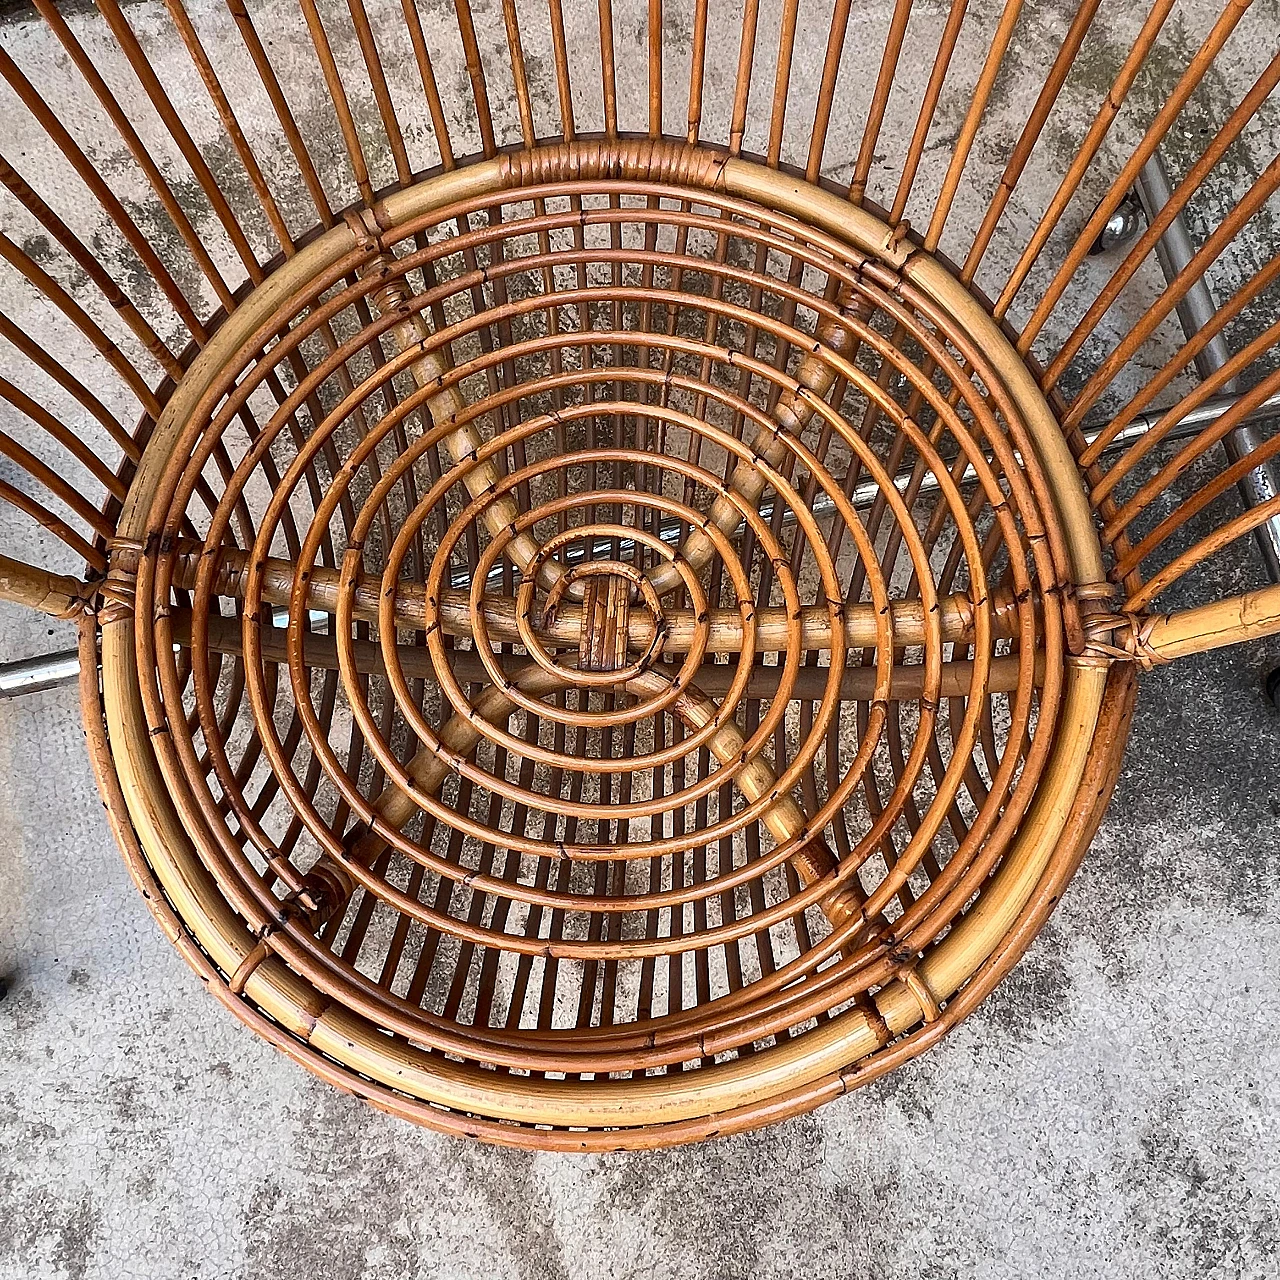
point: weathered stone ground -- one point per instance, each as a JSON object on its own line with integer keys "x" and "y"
{"x": 1111, "y": 1111}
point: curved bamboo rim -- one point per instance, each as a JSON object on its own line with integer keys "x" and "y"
{"x": 1101, "y": 772}
{"x": 680, "y": 1096}
{"x": 253, "y": 902}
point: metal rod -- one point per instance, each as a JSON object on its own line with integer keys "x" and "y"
{"x": 1174, "y": 250}
{"x": 34, "y": 675}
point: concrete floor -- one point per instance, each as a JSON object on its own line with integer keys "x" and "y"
{"x": 1111, "y": 1110}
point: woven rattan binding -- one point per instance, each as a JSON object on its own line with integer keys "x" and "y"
{"x": 619, "y": 601}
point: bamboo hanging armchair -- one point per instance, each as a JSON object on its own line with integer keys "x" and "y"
{"x": 612, "y": 544}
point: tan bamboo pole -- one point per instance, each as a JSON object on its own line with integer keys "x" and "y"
{"x": 33, "y": 588}
{"x": 906, "y": 682}
{"x": 1164, "y": 637}
{"x": 724, "y": 628}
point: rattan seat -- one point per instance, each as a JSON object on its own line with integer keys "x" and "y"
{"x": 620, "y": 639}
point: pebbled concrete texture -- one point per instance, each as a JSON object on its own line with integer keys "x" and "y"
{"x": 1111, "y": 1111}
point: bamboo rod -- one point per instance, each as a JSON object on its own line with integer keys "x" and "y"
{"x": 71, "y": 385}
{"x": 928, "y": 108}
{"x": 60, "y": 298}
{"x": 1108, "y": 109}
{"x": 129, "y": 134}
{"x": 1253, "y": 615}
{"x": 723, "y": 627}
{"x": 284, "y": 113}
{"x": 1169, "y": 111}
{"x": 907, "y": 683}
{"x": 963, "y": 143}
{"x": 80, "y": 253}
{"x": 51, "y": 593}
{"x": 1022, "y": 151}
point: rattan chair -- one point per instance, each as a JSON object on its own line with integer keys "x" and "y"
{"x": 612, "y": 545}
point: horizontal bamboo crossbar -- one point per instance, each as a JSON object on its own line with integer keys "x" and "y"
{"x": 226, "y": 635}
{"x": 723, "y": 628}
{"x": 1164, "y": 637}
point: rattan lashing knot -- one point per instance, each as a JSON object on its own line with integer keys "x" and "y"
{"x": 644, "y": 159}
{"x": 930, "y": 1009}
{"x": 1112, "y": 635}
{"x": 317, "y": 899}
{"x": 80, "y": 599}
{"x": 116, "y": 594}
{"x": 367, "y": 228}
{"x": 1122, "y": 637}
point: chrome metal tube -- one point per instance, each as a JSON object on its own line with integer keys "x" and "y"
{"x": 1174, "y": 250}
{"x": 33, "y": 675}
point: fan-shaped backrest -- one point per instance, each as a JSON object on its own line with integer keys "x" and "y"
{"x": 160, "y": 162}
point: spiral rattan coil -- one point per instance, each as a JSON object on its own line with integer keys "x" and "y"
{"x": 615, "y": 637}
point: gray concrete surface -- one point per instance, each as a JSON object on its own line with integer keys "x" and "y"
{"x": 1111, "y": 1111}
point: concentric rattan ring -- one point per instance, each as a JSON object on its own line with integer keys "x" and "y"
{"x": 729, "y": 808}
